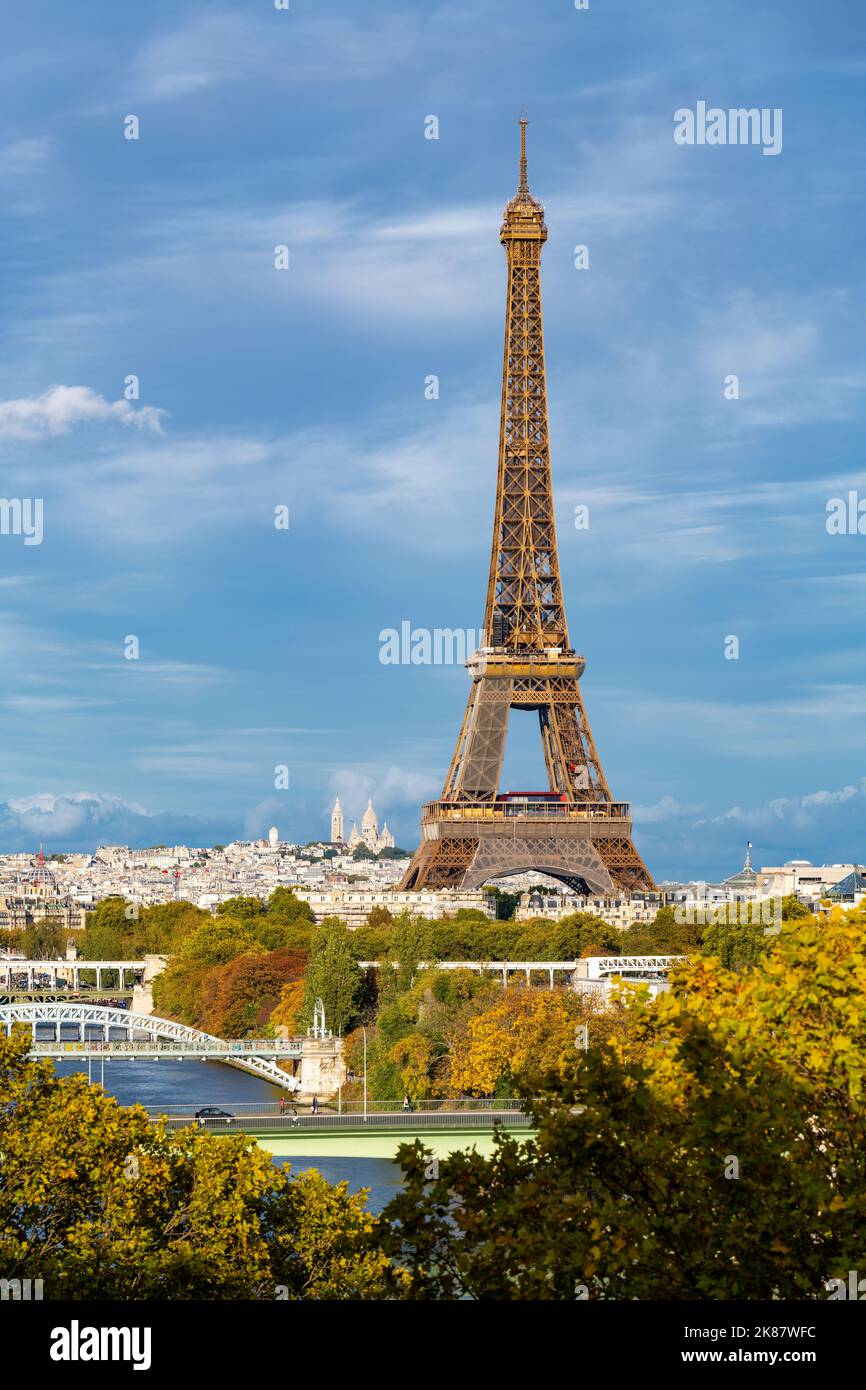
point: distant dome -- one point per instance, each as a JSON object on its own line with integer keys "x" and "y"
{"x": 798, "y": 864}
{"x": 370, "y": 820}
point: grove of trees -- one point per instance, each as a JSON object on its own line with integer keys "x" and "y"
{"x": 708, "y": 1145}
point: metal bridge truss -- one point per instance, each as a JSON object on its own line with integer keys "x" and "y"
{"x": 162, "y": 1038}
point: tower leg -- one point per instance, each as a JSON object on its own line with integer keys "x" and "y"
{"x": 477, "y": 763}
{"x": 570, "y": 751}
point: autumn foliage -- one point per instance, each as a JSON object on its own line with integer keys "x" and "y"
{"x": 99, "y": 1203}
{"x": 712, "y": 1149}
{"x": 238, "y": 997}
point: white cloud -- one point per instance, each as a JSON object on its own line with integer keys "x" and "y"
{"x": 391, "y": 790}
{"x": 60, "y": 408}
{"x": 23, "y": 155}
{"x": 259, "y": 818}
{"x": 800, "y": 812}
{"x": 825, "y": 826}
{"x": 215, "y": 48}
{"x": 51, "y": 816}
{"x": 667, "y": 808}
{"x": 50, "y": 704}
{"x": 82, "y": 820}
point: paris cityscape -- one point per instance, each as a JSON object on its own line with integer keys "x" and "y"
{"x": 349, "y": 957}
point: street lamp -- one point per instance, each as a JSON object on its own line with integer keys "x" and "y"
{"x": 364, "y": 1031}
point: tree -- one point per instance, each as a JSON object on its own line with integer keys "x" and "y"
{"x": 379, "y": 917}
{"x": 218, "y": 941}
{"x": 43, "y": 939}
{"x": 579, "y": 934}
{"x": 738, "y": 945}
{"x": 237, "y": 998}
{"x": 101, "y": 1204}
{"x": 525, "y": 1031}
{"x": 411, "y": 943}
{"x": 177, "y": 991}
{"x": 161, "y": 927}
{"x": 240, "y": 907}
{"x": 285, "y": 906}
{"x": 333, "y": 976}
{"x": 505, "y": 902}
{"x": 289, "y": 1008}
{"x": 106, "y": 930}
{"x": 372, "y": 943}
{"x": 713, "y": 1150}
{"x": 672, "y": 937}
{"x": 792, "y": 909}
{"x": 325, "y": 1243}
{"x": 413, "y": 1056}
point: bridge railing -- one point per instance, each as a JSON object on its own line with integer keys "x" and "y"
{"x": 266, "y": 1109}
{"x": 468, "y": 1120}
{"x": 283, "y": 1047}
{"x": 517, "y": 810}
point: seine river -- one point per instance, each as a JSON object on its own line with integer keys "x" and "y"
{"x": 164, "y": 1084}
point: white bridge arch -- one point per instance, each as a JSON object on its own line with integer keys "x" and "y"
{"x": 163, "y": 1038}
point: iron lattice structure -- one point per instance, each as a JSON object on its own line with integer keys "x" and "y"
{"x": 579, "y": 835}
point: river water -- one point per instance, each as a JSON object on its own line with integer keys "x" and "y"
{"x": 165, "y": 1084}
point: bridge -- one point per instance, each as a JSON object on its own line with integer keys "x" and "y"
{"x": 629, "y": 967}
{"x": 348, "y": 1130}
{"x": 634, "y": 968}
{"x": 148, "y": 1038}
{"x": 505, "y": 968}
{"x": 66, "y": 974}
{"x": 34, "y": 981}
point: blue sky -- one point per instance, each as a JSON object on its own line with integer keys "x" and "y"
{"x": 305, "y": 388}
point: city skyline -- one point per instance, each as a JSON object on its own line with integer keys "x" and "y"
{"x": 261, "y": 647}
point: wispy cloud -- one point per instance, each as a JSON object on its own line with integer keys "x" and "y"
{"x": 61, "y": 408}
{"x": 393, "y": 790}
{"x": 24, "y": 156}
{"x": 82, "y": 820}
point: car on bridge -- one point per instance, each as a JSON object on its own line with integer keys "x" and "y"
{"x": 212, "y": 1112}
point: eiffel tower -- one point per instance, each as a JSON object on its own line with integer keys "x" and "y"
{"x": 574, "y": 831}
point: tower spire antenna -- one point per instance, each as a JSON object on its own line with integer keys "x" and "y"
{"x": 524, "y": 183}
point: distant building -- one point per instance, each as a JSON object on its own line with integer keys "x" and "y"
{"x": 337, "y": 823}
{"x": 18, "y": 912}
{"x": 622, "y": 912}
{"x": 273, "y": 837}
{"x": 849, "y": 891}
{"x": 597, "y": 976}
{"x": 370, "y": 836}
{"x": 802, "y": 879}
{"x": 354, "y": 904}
{"x": 743, "y": 884}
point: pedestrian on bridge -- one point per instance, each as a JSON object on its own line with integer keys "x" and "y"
{"x": 282, "y": 1105}
{"x": 315, "y": 1105}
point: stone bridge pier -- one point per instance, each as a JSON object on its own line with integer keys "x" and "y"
{"x": 322, "y": 1069}
{"x": 142, "y": 995}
